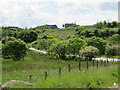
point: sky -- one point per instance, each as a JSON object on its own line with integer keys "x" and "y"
{"x": 32, "y": 13}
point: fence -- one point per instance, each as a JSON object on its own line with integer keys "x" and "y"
{"x": 92, "y": 64}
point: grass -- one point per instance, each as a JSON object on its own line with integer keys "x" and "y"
{"x": 36, "y": 64}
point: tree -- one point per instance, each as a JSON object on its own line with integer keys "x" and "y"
{"x": 114, "y": 24}
{"x": 89, "y": 52}
{"x": 75, "y": 45}
{"x": 14, "y": 50}
{"x": 44, "y": 44}
{"x": 99, "y": 25}
{"x": 113, "y": 50}
{"x": 59, "y": 48}
{"x": 99, "y": 43}
{"x": 114, "y": 40}
{"x": 28, "y": 36}
{"x": 6, "y": 39}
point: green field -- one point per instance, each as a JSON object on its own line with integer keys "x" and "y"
{"x": 37, "y": 64}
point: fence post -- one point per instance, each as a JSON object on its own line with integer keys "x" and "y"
{"x": 59, "y": 72}
{"x": 46, "y": 74}
{"x": 101, "y": 62}
{"x": 105, "y": 62}
{"x": 79, "y": 65}
{"x": 30, "y": 78}
{"x": 69, "y": 69}
{"x": 97, "y": 63}
{"x": 87, "y": 64}
{"x": 93, "y": 63}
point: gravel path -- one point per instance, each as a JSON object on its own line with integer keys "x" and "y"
{"x": 102, "y": 58}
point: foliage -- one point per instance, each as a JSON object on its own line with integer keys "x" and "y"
{"x": 14, "y": 50}
{"x": 28, "y": 36}
{"x": 60, "y": 49}
{"x": 44, "y": 44}
{"x": 75, "y": 45}
{"x": 46, "y": 27}
{"x": 115, "y": 39}
{"x": 89, "y": 52}
{"x": 10, "y": 31}
{"x": 5, "y": 39}
{"x": 101, "y": 25}
{"x": 113, "y": 50}
{"x": 36, "y": 64}
{"x": 97, "y": 42}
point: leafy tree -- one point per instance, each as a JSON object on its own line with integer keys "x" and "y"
{"x": 44, "y": 44}
{"x": 60, "y": 49}
{"x": 113, "y": 50}
{"x": 14, "y": 50}
{"x": 75, "y": 45}
{"x": 108, "y": 25}
{"x": 98, "y": 42}
{"x": 99, "y": 25}
{"x": 28, "y": 36}
{"x": 114, "y": 24}
{"x": 89, "y": 52}
{"x": 114, "y": 40}
{"x": 6, "y": 39}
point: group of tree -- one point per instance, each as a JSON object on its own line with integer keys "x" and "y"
{"x": 73, "y": 47}
{"x": 104, "y": 33}
{"x": 101, "y": 38}
{"x": 108, "y": 24}
{"x": 14, "y": 42}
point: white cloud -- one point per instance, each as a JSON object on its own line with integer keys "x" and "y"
{"x": 31, "y": 13}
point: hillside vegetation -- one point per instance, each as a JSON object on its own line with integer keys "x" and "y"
{"x": 69, "y": 62}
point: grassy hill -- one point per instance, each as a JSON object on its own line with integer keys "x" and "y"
{"x": 37, "y": 64}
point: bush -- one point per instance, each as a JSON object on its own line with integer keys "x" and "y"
{"x": 99, "y": 43}
{"x": 60, "y": 49}
{"x": 114, "y": 40}
{"x": 5, "y": 39}
{"x": 14, "y": 50}
{"x": 75, "y": 45}
{"x": 28, "y": 36}
{"x": 89, "y": 52}
{"x": 113, "y": 50}
{"x": 44, "y": 44}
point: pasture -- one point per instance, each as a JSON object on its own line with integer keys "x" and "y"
{"x": 101, "y": 75}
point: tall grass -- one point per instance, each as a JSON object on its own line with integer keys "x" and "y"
{"x": 36, "y": 64}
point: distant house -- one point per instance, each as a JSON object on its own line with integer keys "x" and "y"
{"x": 68, "y": 25}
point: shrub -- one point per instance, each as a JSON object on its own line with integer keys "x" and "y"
{"x": 5, "y": 39}
{"x": 28, "y": 36}
{"x": 89, "y": 52}
{"x": 14, "y": 50}
{"x": 113, "y": 50}
{"x": 99, "y": 43}
{"x": 75, "y": 45}
{"x": 60, "y": 49}
{"x": 45, "y": 43}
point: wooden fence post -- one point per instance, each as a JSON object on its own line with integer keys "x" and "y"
{"x": 46, "y": 74}
{"x": 101, "y": 62}
{"x": 93, "y": 63}
{"x": 30, "y": 78}
{"x": 105, "y": 62}
{"x": 87, "y": 64}
{"x": 59, "y": 72}
{"x": 97, "y": 63}
{"x": 79, "y": 65}
{"x": 69, "y": 69}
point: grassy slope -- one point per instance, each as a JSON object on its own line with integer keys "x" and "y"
{"x": 96, "y": 78}
{"x": 63, "y": 33}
